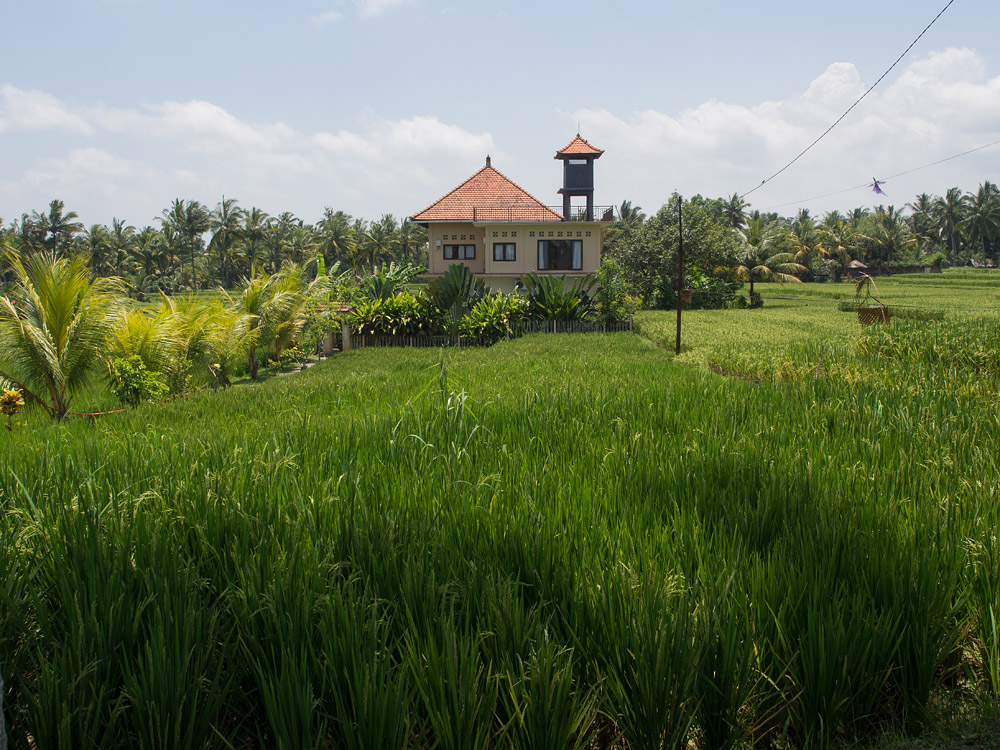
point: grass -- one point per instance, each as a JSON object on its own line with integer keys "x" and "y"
{"x": 560, "y": 541}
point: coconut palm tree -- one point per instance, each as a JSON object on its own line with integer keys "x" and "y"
{"x": 97, "y": 242}
{"x": 265, "y": 305}
{"x": 336, "y": 240}
{"x": 225, "y": 222}
{"x": 120, "y": 241}
{"x": 759, "y": 262}
{"x": 949, "y": 212}
{"x": 57, "y": 227}
{"x": 840, "y": 239}
{"x": 278, "y": 238}
{"x": 53, "y": 327}
{"x": 885, "y": 234}
{"x": 735, "y": 209}
{"x": 982, "y": 217}
{"x": 379, "y": 240}
{"x": 254, "y": 233}
{"x": 411, "y": 242}
{"x": 188, "y": 220}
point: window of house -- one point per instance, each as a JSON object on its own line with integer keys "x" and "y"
{"x": 504, "y": 251}
{"x": 560, "y": 255}
{"x": 459, "y": 252}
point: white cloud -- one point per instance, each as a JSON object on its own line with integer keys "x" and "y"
{"x": 372, "y": 8}
{"x": 323, "y": 19}
{"x": 37, "y": 110}
{"x": 939, "y": 105}
{"x": 132, "y": 162}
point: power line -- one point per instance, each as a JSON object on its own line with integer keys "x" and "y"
{"x": 825, "y": 132}
{"x": 890, "y": 177}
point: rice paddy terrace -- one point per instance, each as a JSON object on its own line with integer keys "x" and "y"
{"x": 785, "y": 536}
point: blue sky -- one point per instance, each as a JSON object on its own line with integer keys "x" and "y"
{"x": 372, "y": 106}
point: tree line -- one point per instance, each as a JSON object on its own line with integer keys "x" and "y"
{"x": 196, "y": 247}
{"x": 725, "y": 241}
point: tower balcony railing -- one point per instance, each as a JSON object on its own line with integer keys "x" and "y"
{"x": 529, "y": 214}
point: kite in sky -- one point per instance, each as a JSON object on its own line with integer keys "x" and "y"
{"x": 875, "y": 186}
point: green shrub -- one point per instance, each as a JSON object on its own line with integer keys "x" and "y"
{"x": 613, "y": 301}
{"x": 549, "y": 298}
{"x": 132, "y": 383}
{"x": 402, "y": 314}
{"x": 490, "y": 319}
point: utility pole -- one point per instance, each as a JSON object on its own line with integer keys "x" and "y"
{"x": 680, "y": 268}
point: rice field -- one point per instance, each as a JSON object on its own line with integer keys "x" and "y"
{"x": 572, "y": 541}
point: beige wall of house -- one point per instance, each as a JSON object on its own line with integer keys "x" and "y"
{"x": 439, "y": 235}
{"x": 525, "y": 239}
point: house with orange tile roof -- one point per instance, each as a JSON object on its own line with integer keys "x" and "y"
{"x": 501, "y": 232}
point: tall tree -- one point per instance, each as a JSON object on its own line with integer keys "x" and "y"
{"x": 336, "y": 238}
{"x": 735, "y": 209}
{"x": 981, "y": 222}
{"x": 255, "y": 228}
{"x": 379, "y": 240}
{"x": 758, "y": 259}
{"x": 58, "y": 226}
{"x": 949, "y": 212}
{"x": 120, "y": 240}
{"x": 411, "y": 242}
{"x": 188, "y": 220}
{"x": 97, "y": 242}
{"x": 225, "y": 223}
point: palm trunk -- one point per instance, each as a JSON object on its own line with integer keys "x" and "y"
{"x": 253, "y": 363}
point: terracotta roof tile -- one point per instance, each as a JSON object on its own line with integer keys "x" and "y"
{"x": 487, "y": 196}
{"x": 579, "y": 147}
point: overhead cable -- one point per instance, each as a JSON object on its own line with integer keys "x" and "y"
{"x": 870, "y": 88}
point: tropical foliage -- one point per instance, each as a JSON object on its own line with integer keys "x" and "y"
{"x": 53, "y": 327}
{"x": 197, "y": 247}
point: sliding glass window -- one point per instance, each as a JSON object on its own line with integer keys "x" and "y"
{"x": 560, "y": 255}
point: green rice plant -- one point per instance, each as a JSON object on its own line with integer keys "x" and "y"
{"x": 646, "y": 651}
{"x": 367, "y": 694}
{"x": 289, "y": 699}
{"x": 546, "y": 705}
{"x": 985, "y": 604}
{"x": 457, "y": 692}
{"x": 725, "y": 678}
{"x": 176, "y": 688}
{"x": 926, "y": 586}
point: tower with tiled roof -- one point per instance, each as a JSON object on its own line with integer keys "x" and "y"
{"x": 500, "y": 231}
{"x": 578, "y": 158}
